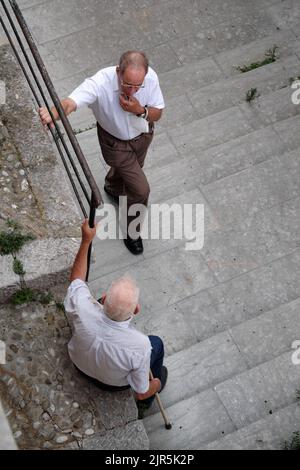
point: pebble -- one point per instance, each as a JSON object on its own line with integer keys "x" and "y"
{"x": 17, "y": 434}
{"x": 75, "y": 404}
{"x": 46, "y": 417}
{"x": 77, "y": 434}
{"x": 4, "y": 173}
{"x": 24, "y": 185}
{"x": 89, "y": 432}
{"x": 22, "y": 172}
{"x": 61, "y": 439}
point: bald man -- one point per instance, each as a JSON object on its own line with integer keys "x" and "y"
{"x": 126, "y": 101}
{"x": 105, "y": 347}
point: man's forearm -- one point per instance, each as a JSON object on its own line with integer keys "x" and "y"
{"x": 154, "y": 386}
{"x": 68, "y": 107}
{"x": 79, "y": 269}
{"x": 154, "y": 114}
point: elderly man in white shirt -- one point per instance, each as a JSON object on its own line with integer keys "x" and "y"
{"x": 105, "y": 346}
{"x": 126, "y": 101}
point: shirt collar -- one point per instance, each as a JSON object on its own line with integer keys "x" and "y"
{"x": 116, "y": 324}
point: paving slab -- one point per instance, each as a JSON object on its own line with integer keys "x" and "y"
{"x": 195, "y": 421}
{"x": 201, "y": 366}
{"x": 266, "y": 434}
{"x": 201, "y": 44}
{"x": 255, "y": 51}
{"x": 243, "y": 298}
{"x": 285, "y": 15}
{"x": 165, "y": 278}
{"x": 261, "y": 391}
{"x": 168, "y": 323}
{"x": 220, "y": 161}
{"x": 276, "y": 106}
{"x": 268, "y": 235}
{"x": 230, "y": 91}
{"x": 287, "y": 130}
{"x": 189, "y": 77}
{"x": 271, "y": 333}
{"x": 263, "y": 186}
{"x": 209, "y": 131}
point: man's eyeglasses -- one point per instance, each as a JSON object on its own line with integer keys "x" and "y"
{"x": 131, "y": 87}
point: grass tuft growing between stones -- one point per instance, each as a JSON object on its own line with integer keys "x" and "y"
{"x": 270, "y": 57}
{"x": 251, "y": 95}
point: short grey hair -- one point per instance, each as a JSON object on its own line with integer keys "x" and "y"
{"x": 135, "y": 59}
{"x": 121, "y": 299}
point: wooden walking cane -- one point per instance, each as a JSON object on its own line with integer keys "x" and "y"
{"x": 168, "y": 424}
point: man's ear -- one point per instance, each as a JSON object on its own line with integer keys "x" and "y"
{"x": 102, "y": 299}
{"x": 118, "y": 69}
{"x": 137, "y": 309}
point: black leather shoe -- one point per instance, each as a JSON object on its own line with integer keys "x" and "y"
{"x": 112, "y": 196}
{"x": 134, "y": 246}
{"x": 164, "y": 378}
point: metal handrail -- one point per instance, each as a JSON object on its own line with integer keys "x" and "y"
{"x": 96, "y": 199}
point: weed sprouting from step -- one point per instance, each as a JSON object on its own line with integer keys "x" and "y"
{"x": 270, "y": 57}
{"x": 89, "y": 128}
{"x": 293, "y": 443}
{"x": 60, "y": 306}
{"x": 23, "y": 296}
{"x": 11, "y": 242}
{"x": 251, "y": 95}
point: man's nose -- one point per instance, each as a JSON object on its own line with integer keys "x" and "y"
{"x": 132, "y": 91}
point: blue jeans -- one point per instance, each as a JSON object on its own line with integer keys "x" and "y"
{"x": 156, "y": 361}
{"x": 157, "y": 356}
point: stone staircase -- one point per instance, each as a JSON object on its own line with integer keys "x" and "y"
{"x": 228, "y": 331}
{"x": 229, "y": 313}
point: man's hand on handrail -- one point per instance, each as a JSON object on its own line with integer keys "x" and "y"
{"x": 68, "y": 105}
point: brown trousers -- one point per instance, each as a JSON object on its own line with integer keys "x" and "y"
{"x": 126, "y": 159}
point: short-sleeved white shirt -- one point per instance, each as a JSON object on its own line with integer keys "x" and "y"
{"x": 113, "y": 352}
{"x": 101, "y": 93}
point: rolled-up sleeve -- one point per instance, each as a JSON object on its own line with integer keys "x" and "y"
{"x": 86, "y": 94}
{"x": 78, "y": 292}
{"x": 138, "y": 378}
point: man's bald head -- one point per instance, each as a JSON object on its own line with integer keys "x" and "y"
{"x": 121, "y": 300}
{"x": 135, "y": 60}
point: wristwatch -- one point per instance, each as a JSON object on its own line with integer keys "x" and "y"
{"x": 144, "y": 115}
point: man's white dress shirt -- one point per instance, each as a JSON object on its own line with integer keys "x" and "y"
{"x": 114, "y": 353}
{"x": 101, "y": 93}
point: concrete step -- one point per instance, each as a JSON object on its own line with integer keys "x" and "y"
{"x": 244, "y": 297}
{"x": 266, "y": 434}
{"x": 287, "y": 42}
{"x": 259, "y": 187}
{"x": 261, "y": 391}
{"x": 200, "y": 367}
{"x": 195, "y": 422}
{"x": 244, "y": 399}
{"x": 263, "y": 238}
{"x": 272, "y": 108}
{"x": 212, "y": 130}
{"x": 207, "y": 363}
{"x": 228, "y": 92}
{"x": 227, "y": 158}
{"x": 239, "y": 25}
{"x": 269, "y": 334}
